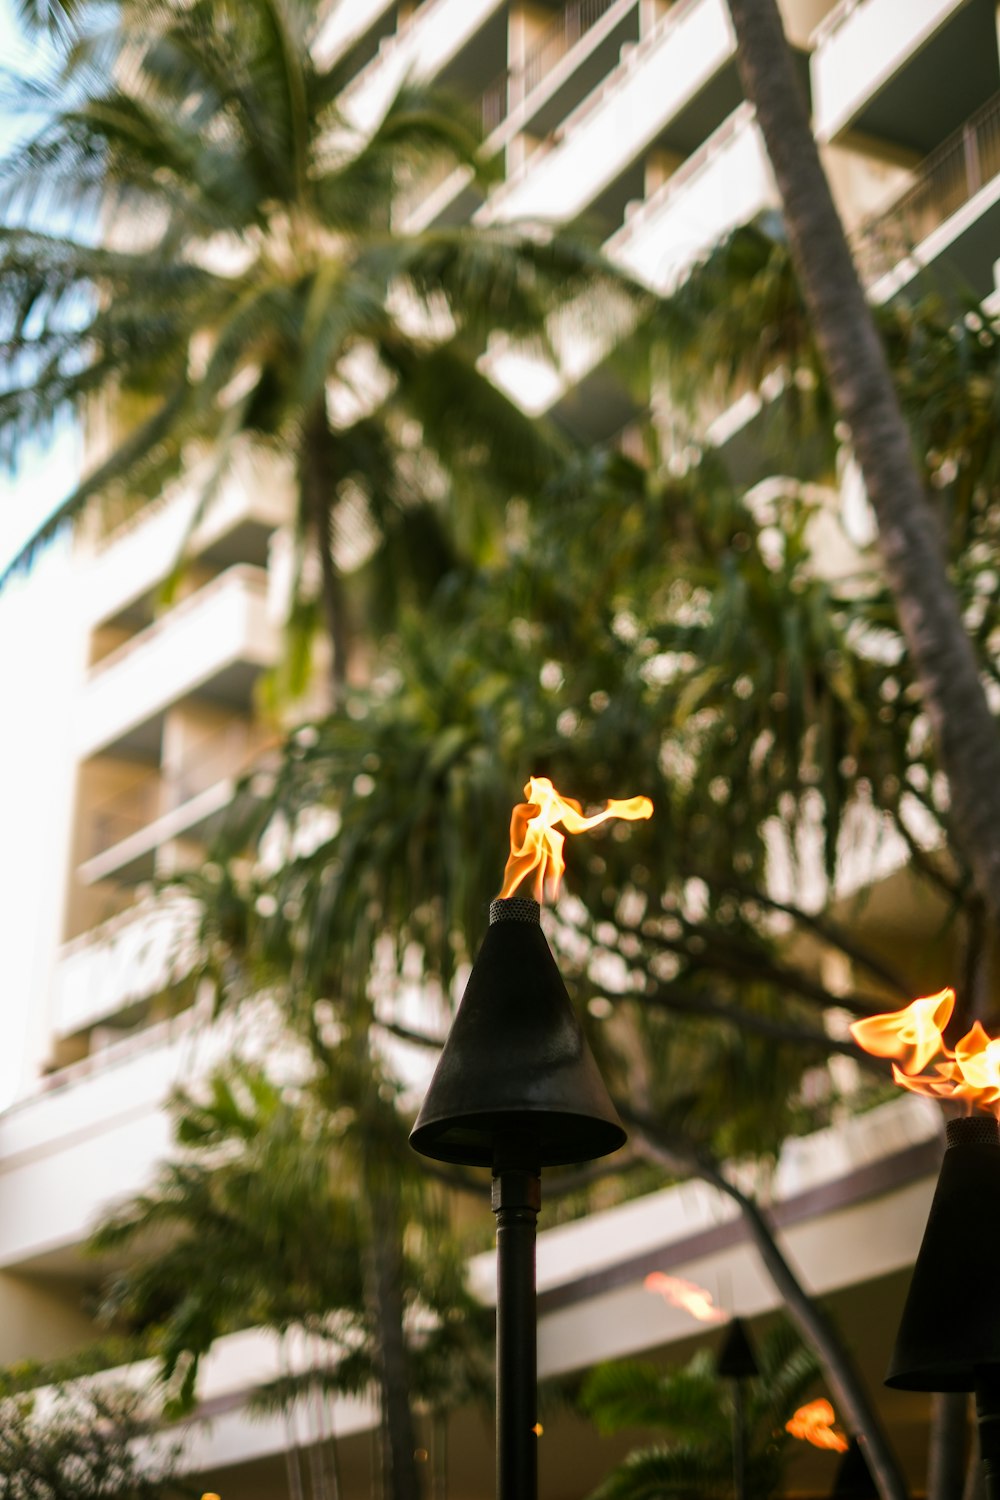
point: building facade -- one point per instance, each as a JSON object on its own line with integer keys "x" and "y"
{"x": 625, "y": 115}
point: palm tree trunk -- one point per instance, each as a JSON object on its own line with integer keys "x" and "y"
{"x": 815, "y": 1326}
{"x": 861, "y": 385}
{"x": 384, "y": 1289}
{"x": 317, "y": 476}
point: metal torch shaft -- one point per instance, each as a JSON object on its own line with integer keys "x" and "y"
{"x": 739, "y": 1443}
{"x": 988, "y": 1420}
{"x": 517, "y": 1197}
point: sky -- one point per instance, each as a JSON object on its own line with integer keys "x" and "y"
{"x": 37, "y": 660}
{"x": 44, "y": 478}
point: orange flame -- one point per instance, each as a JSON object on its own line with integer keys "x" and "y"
{"x": 814, "y": 1423}
{"x": 686, "y": 1295}
{"x": 916, "y": 1036}
{"x": 535, "y": 846}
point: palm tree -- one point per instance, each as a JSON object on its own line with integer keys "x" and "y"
{"x": 263, "y": 1219}
{"x": 770, "y": 698}
{"x": 692, "y": 1408}
{"x": 945, "y": 665}
{"x": 231, "y": 269}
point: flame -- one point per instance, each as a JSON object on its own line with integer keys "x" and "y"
{"x": 914, "y": 1034}
{"x": 686, "y": 1295}
{"x": 535, "y": 846}
{"x": 814, "y": 1423}
{"x": 970, "y": 1073}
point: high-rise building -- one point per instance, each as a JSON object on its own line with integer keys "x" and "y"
{"x": 628, "y": 115}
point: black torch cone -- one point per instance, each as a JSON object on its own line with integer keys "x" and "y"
{"x": 853, "y": 1480}
{"x": 516, "y": 1063}
{"x": 735, "y": 1359}
{"x": 949, "y": 1336}
{"x": 516, "y": 1089}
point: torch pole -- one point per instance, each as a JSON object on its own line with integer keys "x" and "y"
{"x": 739, "y": 1442}
{"x": 517, "y": 1197}
{"x": 988, "y": 1420}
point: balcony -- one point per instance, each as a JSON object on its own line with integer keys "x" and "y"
{"x": 347, "y": 24}
{"x": 655, "y": 82}
{"x": 437, "y": 33}
{"x": 949, "y": 215}
{"x": 127, "y": 829}
{"x": 571, "y": 53}
{"x": 128, "y": 567}
{"x": 727, "y": 182}
{"x": 65, "y": 1153}
{"x": 569, "y": 59}
{"x": 123, "y": 962}
{"x": 212, "y": 646}
{"x": 904, "y": 74}
{"x": 95, "y": 1132}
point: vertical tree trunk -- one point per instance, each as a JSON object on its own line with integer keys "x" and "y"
{"x": 317, "y": 475}
{"x": 384, "y": 1293}
{"x": 815, "y": 1326}
{"x": 861, "y": 385}
{"x": 384, "y": 1276}
{"x": 383, "y": 1270}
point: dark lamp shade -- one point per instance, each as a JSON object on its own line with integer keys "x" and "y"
{"x": 735, "y": 1359}
{"x": 950, "y": 1328}
{"x": 516, "y": 1065}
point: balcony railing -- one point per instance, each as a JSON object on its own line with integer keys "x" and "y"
{"x": 946, "y": 180}
{"x": 558, "y": 38}
{"x": 133, "y": 956}
{"x": 222, "y": 755}
{"x": 833, "y": 21}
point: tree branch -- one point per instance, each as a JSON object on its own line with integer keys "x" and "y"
{"x": 703, "y": 1007}
{"x": 846, "y": 1384}
{"x": 825, "y": 928}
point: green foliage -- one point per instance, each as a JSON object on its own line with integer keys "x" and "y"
{"x": 258, "y": 1221}
{"x": 734, "y": 689}
{"x": 692, "y": 1407}
{"x": 93, "y": 1444}
{"x": 272, "y": 272}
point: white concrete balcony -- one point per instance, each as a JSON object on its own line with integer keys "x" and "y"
{"x": 129, "y": 563}
{"x": 438, "y": 31}
{"x": 126, "y": 830}
{"x": 213, "y": 645}
{"x": 863, "y": 49}
{"x": 124, "y": 961}
{"x": 623, "y": 116}
{"x": 949, "y": 217}
{"x": 727, "y": 182}
{"x": 65, "y": 1154}
{"x": 581, "y": 44}
{"x": 345, "y": 24}
{"x": 94, "y": 1132}
{"x": 576, "y": 41}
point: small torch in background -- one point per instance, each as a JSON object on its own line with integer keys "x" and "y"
{"x": 949, "y": 1335}
{"x": 517, "y": 1089}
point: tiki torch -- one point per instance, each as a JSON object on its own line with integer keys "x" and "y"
{"x": 736, "y": 1362}
{"x": 517, "y": 1089}
{"x": 949, "y": 1335}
